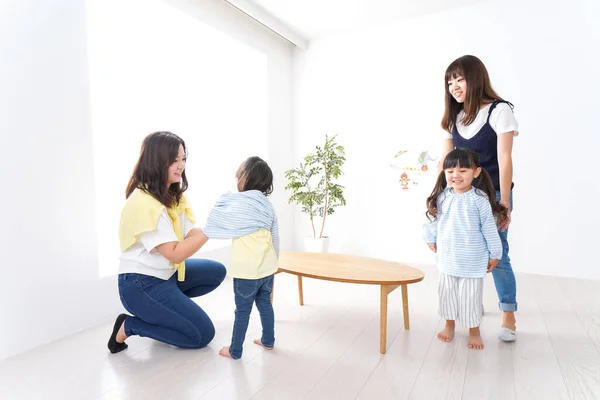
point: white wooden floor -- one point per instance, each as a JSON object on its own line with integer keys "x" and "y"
{"x": 329, "y": 349}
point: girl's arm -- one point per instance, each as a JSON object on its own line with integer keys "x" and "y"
{"x": 447, "y": 147}
{"x": 430, "y": 234}
{"x": 505, "y": 145}
{"x": 488, "y": 228}
{"x": 430, "y": 230}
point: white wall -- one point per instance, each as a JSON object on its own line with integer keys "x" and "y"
{"x": 381, "y": 91}
{"x": 50, "y": 286}
{"x": 229, "y": 20}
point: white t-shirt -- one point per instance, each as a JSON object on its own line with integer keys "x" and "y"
{"x": 142, "y": 257}
{"x": 502, "y": 121}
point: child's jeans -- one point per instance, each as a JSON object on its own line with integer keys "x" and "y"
{"x": 247, "y": 291}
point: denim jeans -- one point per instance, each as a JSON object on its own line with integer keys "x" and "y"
{"x": 504, "y": 277}
{"x": 248, "y": 291}
{"x": 163, "y": 309}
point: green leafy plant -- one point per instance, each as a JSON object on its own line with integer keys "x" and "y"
{"x": 323, "y": 166}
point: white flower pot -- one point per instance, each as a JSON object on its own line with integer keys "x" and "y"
{"x": 313, "y": 245}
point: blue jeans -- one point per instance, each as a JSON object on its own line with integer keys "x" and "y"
{"x": 504, "y": 277}
{"x": 248, "y": 291}
{"x": 163, "y": 309}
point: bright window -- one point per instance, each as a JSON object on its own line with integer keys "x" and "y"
{"x": 154, "y": 67}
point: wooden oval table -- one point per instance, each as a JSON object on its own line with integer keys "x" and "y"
{"x": 353, "y": 269}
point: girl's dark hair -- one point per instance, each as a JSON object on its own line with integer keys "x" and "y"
{"x": 479, "y": 90}
{"x": 258, "y": 175}
{"x": 465, "y": 158}
{"x": 159, "y": 151}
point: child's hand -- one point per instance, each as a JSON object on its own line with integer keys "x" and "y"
{"x": 432, "y": 247}
{"x": 491, "y": 265}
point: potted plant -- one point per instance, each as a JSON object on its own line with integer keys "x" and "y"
{"x": 314, "y": 188}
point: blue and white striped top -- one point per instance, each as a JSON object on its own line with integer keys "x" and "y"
{"x": 240, "y": 214}
{"x": 465, "y": 233}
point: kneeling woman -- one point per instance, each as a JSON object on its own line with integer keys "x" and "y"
{"x": 157, "y": 279}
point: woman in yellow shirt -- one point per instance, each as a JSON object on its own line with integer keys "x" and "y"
{"x": 157, "y": 277}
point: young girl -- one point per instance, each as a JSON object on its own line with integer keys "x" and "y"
{"x": 478, "y": 119}
{"x": 249, "y": 219}
{"x": 463, "y": 233}
{"x": 157, "y": 279}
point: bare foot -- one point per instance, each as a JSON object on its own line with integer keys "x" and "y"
{"x": 475, "y": 341}
{"x": 225, "y": 352}
{"x": 259, "y": 342}
{"x": 121, "y": 336}
{"x": 509, "y": 321}
{"x": 447, "y": 334}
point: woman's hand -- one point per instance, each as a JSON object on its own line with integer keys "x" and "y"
{"x": 503, "y": 225}
{"x": 492, "y": 264}
{"x": 505, "y": 145}
{"x": 432, "y": 247}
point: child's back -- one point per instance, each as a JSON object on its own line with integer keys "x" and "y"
{"x": 249, "y": 219}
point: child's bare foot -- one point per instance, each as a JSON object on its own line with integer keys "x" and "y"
{"x": 225, "y": 352}
{"x": 475, "y": 341}
{"x": 259, "y": 342}
{"x": 447, "y": 334}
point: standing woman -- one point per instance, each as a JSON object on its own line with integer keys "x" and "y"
{"x": 476, "y": 118}
{"x": 157, "y": 277}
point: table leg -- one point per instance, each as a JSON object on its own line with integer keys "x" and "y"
{"x": 383, "y": 320}
{"x": 300, "y": 294}
{"x": 405, "y": 306}
{"x": 385, "y": 291}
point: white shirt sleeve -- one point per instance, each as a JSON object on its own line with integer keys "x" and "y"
{"x": 187, "y": 225}
{"x": 164, "y": 233}
{"x": 503, "y": 120}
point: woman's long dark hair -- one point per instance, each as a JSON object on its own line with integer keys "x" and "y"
{"x": 151, "y": 172}
{"x": 464, "y": 158}
{"x": 479, "y": 90}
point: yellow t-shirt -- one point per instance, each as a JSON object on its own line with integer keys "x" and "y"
{"x": 253, "y": 256}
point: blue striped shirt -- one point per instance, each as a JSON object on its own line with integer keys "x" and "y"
{"x": 465, "y": 233}
{"x": 240, "y": 214}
